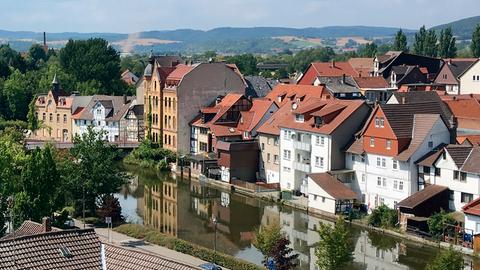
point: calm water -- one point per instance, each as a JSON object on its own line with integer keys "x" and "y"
{"x": 183, "y": 209}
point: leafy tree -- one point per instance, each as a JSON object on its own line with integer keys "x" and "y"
{"x": 281, "y": 74}
{"x": 425, "y": 42}
{"x": 109, "y": 206}
{"x": 282, "y": 255}
{"x": 266, "y": 238}
{"x": 31, "y": 117}
{"x": 93, "y": 173}
{"x": 420, "y": 39}
{"x": 447, "y": 260}
{"x": 93, "y": 60}
{"x": 135, "y": 63}
{"x": 475, "y": 45}
{"x": 400, "y": 43}
{"x": 247, "y": 63}
{"x": 384, "y": 217}
{"x": 447, "y": 47}
{"x": 67, "y": 82}
{"x": 12, "y": 58}
{"x": 437, "y": 223}
{"x": 334, "y": 249}
{"x": 370, "y": 50}
{"x": 304, "y": 58}
{"x": 36, "y": 56}
{"x": 17, "y": 98}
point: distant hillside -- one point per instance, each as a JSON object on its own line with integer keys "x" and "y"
{"x": 224, "y": 39}
{"x": 462, "y": 28}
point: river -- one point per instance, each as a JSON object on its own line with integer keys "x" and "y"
{"x": 184, "y": 208}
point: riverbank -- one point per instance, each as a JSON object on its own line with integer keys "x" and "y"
{"x": 359, "y": 223}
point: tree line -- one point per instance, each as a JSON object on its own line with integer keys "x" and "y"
{"x": 86, "y": 67}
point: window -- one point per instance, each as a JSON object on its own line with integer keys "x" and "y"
{"x": 299, "y": 118}
{"x": 275, "y": 159}
{"x": 372, "y": 142}
{"x": 268, "y": 157}
{"x": 275, "y": 141}
{"x": 58, "y": 118}
{"x": 456, "y": 175}
{"x": 263, "y": 146}
{"x": 395, "y": 184}
{"x": 438, "y": 172}
{"x": 382, "y": 122}
{"x": 64, "y": 118}
{"x": 389, "y": 144}
{"x": 287, "y": 154}
{"x": 50, "y": 117}
{"x": 246, "y": 134}
{"x": 319, "y": 162}
{"x": 426, "y": 170}
{"x": 362, "y": 158}
{"x": 466, "y": 197}
{"x": 384, "y": 182}
{"x": 364, "y": 177}
{"x": 378, "y": 162}
{"x": 463, "y": 176}
{"x": 379, "y": 181}
{"x": 317, "y": 140}
{"x": 322, "y": 140}
{"x": 395, "y": 164}
{"x": 314, "y": 197}
{"x": 451, "y": 195}
{"x": 287, "y": 134}
{"x": 353, "y": 157}
{"x": 430, "y": 144}
{"x": 43, "y": 117}
{"x": 400, "y": 185}
{"x": 323, "y": 199}
{"x": 377, "y": 121}
{"x": 286, "y": 169}
{"x": 203, "y": 146}
{"x": 268, "y": 141}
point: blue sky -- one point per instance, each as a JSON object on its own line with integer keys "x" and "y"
{"x": 127, "y": 16}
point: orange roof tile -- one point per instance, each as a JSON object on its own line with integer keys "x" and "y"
{"x": 362, "y": 65}
{"x": 472, "y": 208}
{"x": 179, "y": 71}
{"x": 371, "y": 82}
{"x": 464, "y": 108}
{"x": 296, "y": 91}
{"x": 334, "y": 69}
{"x": 271, "y": 125}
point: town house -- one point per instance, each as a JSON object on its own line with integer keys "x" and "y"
{"x": 450, "y": 71}
{"x": 313, "y": 136}
{"x": 383, "y": 158}
{"x": 470, "y": 79}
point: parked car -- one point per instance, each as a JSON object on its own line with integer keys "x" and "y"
{"x": 210, "y": 266}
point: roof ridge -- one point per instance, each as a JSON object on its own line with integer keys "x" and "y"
{"x": 77, "y": 231}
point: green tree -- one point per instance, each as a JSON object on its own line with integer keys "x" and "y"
{"x": 16, "y": 96}
{"x": 12, "y": 58}
{"x": 447, "y": 260}
{"x": 94, "y": 172}
{"x": 266, "y": 238}
{"x": 420, "y": 39}
{"x": 31, "y": 116}
{"x": 36, "y": 56}
{"x": 93, "y": 60}
{"x": 334, "y": 249}
{"x": 384, "y": 217}
{"x": 282, "y": 255}
{"x": 446, "y": 46}
{"x": 475, "y": 45}
{"x": 247, "y": 63}
{"x": 109, "y": 206}
{"x": 439, "y": 222}
{"x": 400, "y": 43}
{"x": 304, "y": 58}
{"x": 370, "y": 50}
{"x": 135, "y": 63}
{"x": 425, "y": 42}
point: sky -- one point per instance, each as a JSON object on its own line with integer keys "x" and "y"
{"x": 129, "y": 16}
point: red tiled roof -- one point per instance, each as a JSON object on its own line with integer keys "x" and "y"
{"x": 334, "y": 69}
{"x": 473, "y": 139}
{"x": 371, "y": 82}
{"x": 296, "y": 91}
{"x": 179, "y": 71}
{"x": 363, "y": 66}
{"x": 333, "y": 186}
{"x": 271, "y": 125}
{"x": 472, "y": 208}
{"x": 28, "y": 227}
{"x": 351, "y": 106}
{"x": 464, "y": 108}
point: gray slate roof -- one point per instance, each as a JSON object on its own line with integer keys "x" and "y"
{"x": 337, "y": 85}
{"x": 258, "y": 86}
{"x": 114, "y": 105}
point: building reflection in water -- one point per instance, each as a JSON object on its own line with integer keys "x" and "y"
{"x": 161, "y": 207}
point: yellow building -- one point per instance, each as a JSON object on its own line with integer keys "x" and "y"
{"x": 174, "y": 93}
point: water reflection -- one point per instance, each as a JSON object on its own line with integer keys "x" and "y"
{"x": 184, "y": 209}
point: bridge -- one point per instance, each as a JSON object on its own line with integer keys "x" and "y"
{"x": 32, "y": 144}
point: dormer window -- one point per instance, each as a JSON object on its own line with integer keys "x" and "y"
{"x": 99, "y": 111}
{"x": 299, "y": 118}
{"x": 318, "y": 121}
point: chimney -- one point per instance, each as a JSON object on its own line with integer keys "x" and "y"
{"x": 124, "y": 99}
{"x": 403, "y": 99}
{"x": 46, "y": 224}
{"x": 333, "y": 64}
{"x": 44, "y": 39}
{"x": 343, "y": 79}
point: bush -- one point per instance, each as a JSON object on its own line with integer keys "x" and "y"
{"x": 157, "y": 238}
{"x": 437, "y": 223}
{"x": 383, "y": 217}
{"x": 150, "y": 155}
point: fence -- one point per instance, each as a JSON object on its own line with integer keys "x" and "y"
{"x": 257, "y": 187}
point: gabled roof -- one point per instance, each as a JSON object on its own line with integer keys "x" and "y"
{"x": 179, "y": 72}
{"x": 468, "y": 68}
{"x": 303, "y": 91}
{"x": 333, "y": 186}
{"x": 459, "y": 153}
{"x": 116, "y": 109}
{"x": 363, "y": 66}
{"x": 458, "y": 65}
{"x": 28, "y": 227}
{"x": 271, "y": 125}
{"x": 258, "y": 86}
{"x": 421, "y": 196}
{"x": 332, "y": 69}
{"x": 43, "y": 251}
{"x": 465, "y": 157}
{"x": 464, "y": 108}
{"x": 473, "y": 140}
{"x": 371, "y": 82}
{"x": 339, "y": 84}
{"x": 472, "y": 208}
{"x": 471, "y": 164}
{"x": 401, "y": 116}
{"x": 344, "y": 108}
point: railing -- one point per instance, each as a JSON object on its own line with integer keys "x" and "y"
{"x": 304, "y": 167}
{"x": 305, "y": 146}
{"x": 257, "y": 187}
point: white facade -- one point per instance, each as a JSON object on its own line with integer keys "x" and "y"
{"x": 302, "y": 153}
{"x": 385, "y": 180}
{"x": 319, "y": 199}
{"x": 472, "y": 222}
{"x": 470, "y": 80}
{"x": 464, "y": 186}
{"x": 111, "y": 129}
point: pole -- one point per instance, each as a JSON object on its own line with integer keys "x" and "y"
{"x": 83, "y": 204}
{"x": 215, "y": 241}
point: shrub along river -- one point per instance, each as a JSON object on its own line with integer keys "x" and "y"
{"x": 184, "y": 209}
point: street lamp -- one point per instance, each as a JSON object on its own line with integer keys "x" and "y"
{"x": 215, "y": 221}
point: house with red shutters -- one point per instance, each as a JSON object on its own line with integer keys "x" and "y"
{"x": 382, "y": 159}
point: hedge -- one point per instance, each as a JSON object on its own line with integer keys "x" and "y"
{"x": 157, "y": 238}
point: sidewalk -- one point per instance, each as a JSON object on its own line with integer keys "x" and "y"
{"x": 139, "y": 245}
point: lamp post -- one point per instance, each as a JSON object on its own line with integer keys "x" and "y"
{"x": 215, "y": 221}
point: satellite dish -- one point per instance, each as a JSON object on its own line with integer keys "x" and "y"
{"x": 294, "y": 106}
{"x": 231, "y": 130}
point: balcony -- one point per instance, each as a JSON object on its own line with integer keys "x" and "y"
{"x": 305, "y": 146}
{"x": 300, "y": 166}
